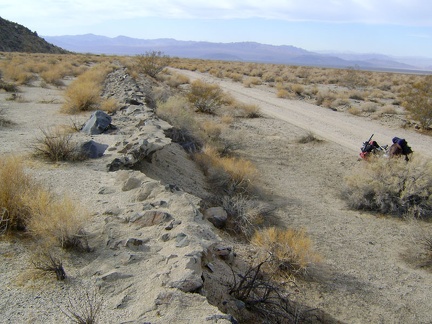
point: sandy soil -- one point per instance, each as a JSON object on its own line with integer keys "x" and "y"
{"x": 363, "y": 277}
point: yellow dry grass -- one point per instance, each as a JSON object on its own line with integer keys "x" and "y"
{"x": 288, "y": 251}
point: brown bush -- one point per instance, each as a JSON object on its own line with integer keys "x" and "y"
{"x": 288, "y": 251}
{"x": 391, "y": 186}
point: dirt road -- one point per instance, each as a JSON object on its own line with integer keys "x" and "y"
{"x": 363, "y": 277}
{"x": 344, "y": 129}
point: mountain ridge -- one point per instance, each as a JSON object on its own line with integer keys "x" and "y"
{"x": 234, "y": 51}
{"x": 17, "y": 38}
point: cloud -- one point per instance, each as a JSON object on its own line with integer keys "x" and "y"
{"x": 399, "y": 12}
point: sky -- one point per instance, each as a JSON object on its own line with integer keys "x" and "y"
{"x": 391, "y": 27}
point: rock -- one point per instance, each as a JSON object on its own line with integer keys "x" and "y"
{"x": 106, "y": 191}
{"x": 135, "y": 244}
{"x": 131, "y": 183}
{"x": 182, "y": 240}
{"x": 189, "y": 283}
{"x": 114, "y": 275}
{"x": 217, "y": 216}
{"x": 150, "y": 218}
{"x": 98, "y": 123}
{"x": 93, "y": 150}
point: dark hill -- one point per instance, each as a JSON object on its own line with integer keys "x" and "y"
{"x": 17, "y": 38}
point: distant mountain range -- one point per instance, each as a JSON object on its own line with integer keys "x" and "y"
{"x": 241, "y": 51}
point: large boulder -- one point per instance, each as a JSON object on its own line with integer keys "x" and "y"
{"x": 98, "y": 123}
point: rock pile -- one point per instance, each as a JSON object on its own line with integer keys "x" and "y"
{"x": 150, "y": 253}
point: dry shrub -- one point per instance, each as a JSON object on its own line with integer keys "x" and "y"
{"x": 245, "y": 214}
{"x": 288, "y": 251}
{"x": 283, "y": 93}
{"x": 15, "y": 186}
{"x": 211, "y": 129}
{"x": 356, "y": 95}
{"x": 186, "y": 131}
{"x": 4, "y": 121}
{"x": 83, "y": 94}
{"x": 43, "y": 259}
{"x": 8, "y": 87}
{"x": 325, "y": 98}
{"x": 388, "y": 110}
{"x": 53, "y": 76}
{"x": 236, "y": 77}
{"x": 177, "y": 111}
{"x": 227, "y": 174}
{"x": 84, "y": 305}
{"x": 56, "y": 145}
{"x": 57, "y": 221}
{"x": 244, "y": 110}
{"x": 177, "y": 79}
{"x": 251, "y": 81}
{"x": 206, "y": 97}
{"x": 109, "y": 105}
{"x": 369, "y": 107}
{"x": 16, "y": 72}
{"x": 391, "y": 186}
{"x": 308, "y": 138}
{"x": 298, "y": 89}
{"x": 152, "y": 63}
{"x": 354, "y": 111}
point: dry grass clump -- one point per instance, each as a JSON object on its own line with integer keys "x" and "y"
{"x": 205, "y": 97}
{"x": 84, "y": 306}
{"x": 308, "y": 138}
{"x": 44, "y": 259}
{"x": 109, "y": 105}
{"x": 288, "y": 251}
{"x": 391, "y": 186}
{"x": 57, "y": 221}
{"x": 57, "y": 145}
{"x": 251, "y": 81}
{"x": 27, "y": 206}
{"x": 8, "y": 87}
{"x": 388, "y": 110}
{"x": 83, "y": 94}
{"x": 4, "y": 121}
{"x": 245, "y": 214}
{"x": 228, "y": 175}
{"x": 186, "y": 130}
{"x": 174, "y": 80}
{"x": 14, "y": 70}
{"x": 16, "y": 185}
{"x": 243, "y": 110}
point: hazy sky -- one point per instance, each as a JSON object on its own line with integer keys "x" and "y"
{"x": 398, "y": 27}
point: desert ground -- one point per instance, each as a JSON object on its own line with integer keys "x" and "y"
{"x": 365, "y": 275}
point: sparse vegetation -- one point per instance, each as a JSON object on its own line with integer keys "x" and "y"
{"x": 152, "y": 63}
{"x": 44, "y": 260}
{"x": 418, "y": 101}
{"x": 286, "y": 251}
{"x": 205, "y": 97}
{"x": 16, "y": 186}
{"x": 391, "y": 186}
{"x": 84, "y": 306}
{"x": 27, "y": 206}
{"x": 56, "y": 145}
{"x": 83, "y": 94}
